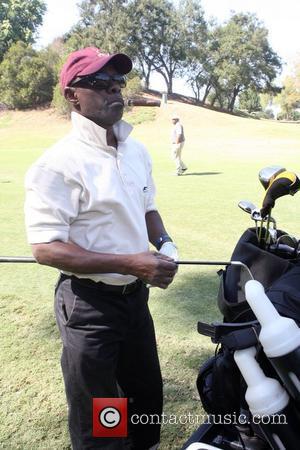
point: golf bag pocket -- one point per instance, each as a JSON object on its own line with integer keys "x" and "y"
{"x": 265, "y": 267}
{"x": 218, "y": 384}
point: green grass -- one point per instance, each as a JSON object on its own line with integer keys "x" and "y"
{"x": 224, "y": 154}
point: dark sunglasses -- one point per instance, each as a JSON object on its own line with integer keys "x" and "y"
{"x": 100, "y": 80}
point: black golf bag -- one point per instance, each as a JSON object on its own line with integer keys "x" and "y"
{"x": 220, "y": 384}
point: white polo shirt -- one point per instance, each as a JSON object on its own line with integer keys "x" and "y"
{"x": 177, "y": 131}
{"x": 87, "y": 192}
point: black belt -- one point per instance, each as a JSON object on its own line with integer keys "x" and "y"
{"x": 122, "y": 290}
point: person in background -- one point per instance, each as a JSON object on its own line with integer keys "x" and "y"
{"x": 178, "y": 140}
{"x": 90, "y": 212}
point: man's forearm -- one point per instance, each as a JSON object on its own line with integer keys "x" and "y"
{"x": 72, "y": 258}
{"x": 153, "y": 268}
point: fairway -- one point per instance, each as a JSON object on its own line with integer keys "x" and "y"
{"x": 224, "y": 154}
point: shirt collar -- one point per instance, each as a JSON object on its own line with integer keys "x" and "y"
{"x": 90, "y": 132}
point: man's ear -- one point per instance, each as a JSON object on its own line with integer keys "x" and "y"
{"x": 71, "y": 96}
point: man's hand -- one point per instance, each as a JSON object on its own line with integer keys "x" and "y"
{"x": 153, "y": 268}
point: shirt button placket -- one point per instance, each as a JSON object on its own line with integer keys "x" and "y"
{"x": 122, "y": 175}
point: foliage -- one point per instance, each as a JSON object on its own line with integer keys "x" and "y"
{"x": 155, "y": 33}
{"x": 25, "y": 79}
{"x": 221, "y": 62}
{"x": 239, "y": 58}
{"x": 289, "y": 99}
{"x": 268, "y": 114}
{"x": 133, "y": 86}
{"x": 103, "y": 23}
{"x": 266, "y": 99}
{"x": 59, "y": 102}
{"x": 249, "y": 100}
{"x": 198, "y": 64}
{"x": 54, "y": 56}
{"x": 163, "y": 36}
{"x": 149, "y": 20}
{"x": 19, "y": 20}
{"x": 294, "y": 115}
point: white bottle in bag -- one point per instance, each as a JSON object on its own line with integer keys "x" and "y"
{"x": 279, "y": 336}
{"x": 269, "y": 403}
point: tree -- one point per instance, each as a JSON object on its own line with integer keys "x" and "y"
{"x": 19, "y": 20}
{"x": 155, "y": 33}
{"x": 25, "y": 79}
{"x": 289, "y": 99}
{"x": 134, "y": 26}
{"x": 148, "y": 21}
{"x": 200, "y": 68}
{"x": 178, "y": 39}
{"x": 103, "y": 23}
{"x": 241, "y": 59}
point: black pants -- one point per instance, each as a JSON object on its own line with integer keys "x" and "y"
{"x": 108, "y": 347}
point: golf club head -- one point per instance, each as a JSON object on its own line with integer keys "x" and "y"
{"x": 285, "y": 183}
{"x": 267, "y": 174}
{"x": 289, "y": 240}
{"x": 273, "y": 235}
{"x": 283, "y": 251}
{"x": 246, "y": 206}
{"x": 255, "y": 215}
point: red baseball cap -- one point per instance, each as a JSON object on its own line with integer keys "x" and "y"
{"x": 89, "y": 60}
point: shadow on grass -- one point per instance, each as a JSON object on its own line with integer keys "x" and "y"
{"x": 201, "y": 173}
{"x": 192, "y": 297}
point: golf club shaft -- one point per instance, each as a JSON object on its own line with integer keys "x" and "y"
{"x": 17, "y": 259}
{"x": 204, "y": 263}
{"x": 28, "y": 259}
{"x": 216, "y": 263}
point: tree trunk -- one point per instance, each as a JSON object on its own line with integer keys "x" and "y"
{"x": 170, "y": 85}
{"x": 233, "y": 99}
{"x": 147, "y": 80}
{"x": 213, "y": 101}
{"x": 207, "y": 91}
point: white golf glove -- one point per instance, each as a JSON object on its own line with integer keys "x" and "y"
{"x": 169, "y": 249}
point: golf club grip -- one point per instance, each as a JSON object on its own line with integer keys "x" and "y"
{"x": 142, "y": 102}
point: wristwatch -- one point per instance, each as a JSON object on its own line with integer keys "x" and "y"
{"x": 161, "y": 240}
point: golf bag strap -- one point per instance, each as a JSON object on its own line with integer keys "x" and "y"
{"x": 240, "y": 339}
{"x": 233, "y": 335}
{"x": 207, "y": 330}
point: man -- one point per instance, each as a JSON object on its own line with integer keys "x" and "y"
{"x": 90, "y": 213}
{"x": 177, "y": 144}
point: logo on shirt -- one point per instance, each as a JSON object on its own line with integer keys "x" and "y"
{"x": 145, "y": 189}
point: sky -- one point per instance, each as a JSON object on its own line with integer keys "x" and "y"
{"x": 280, "y": 18}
